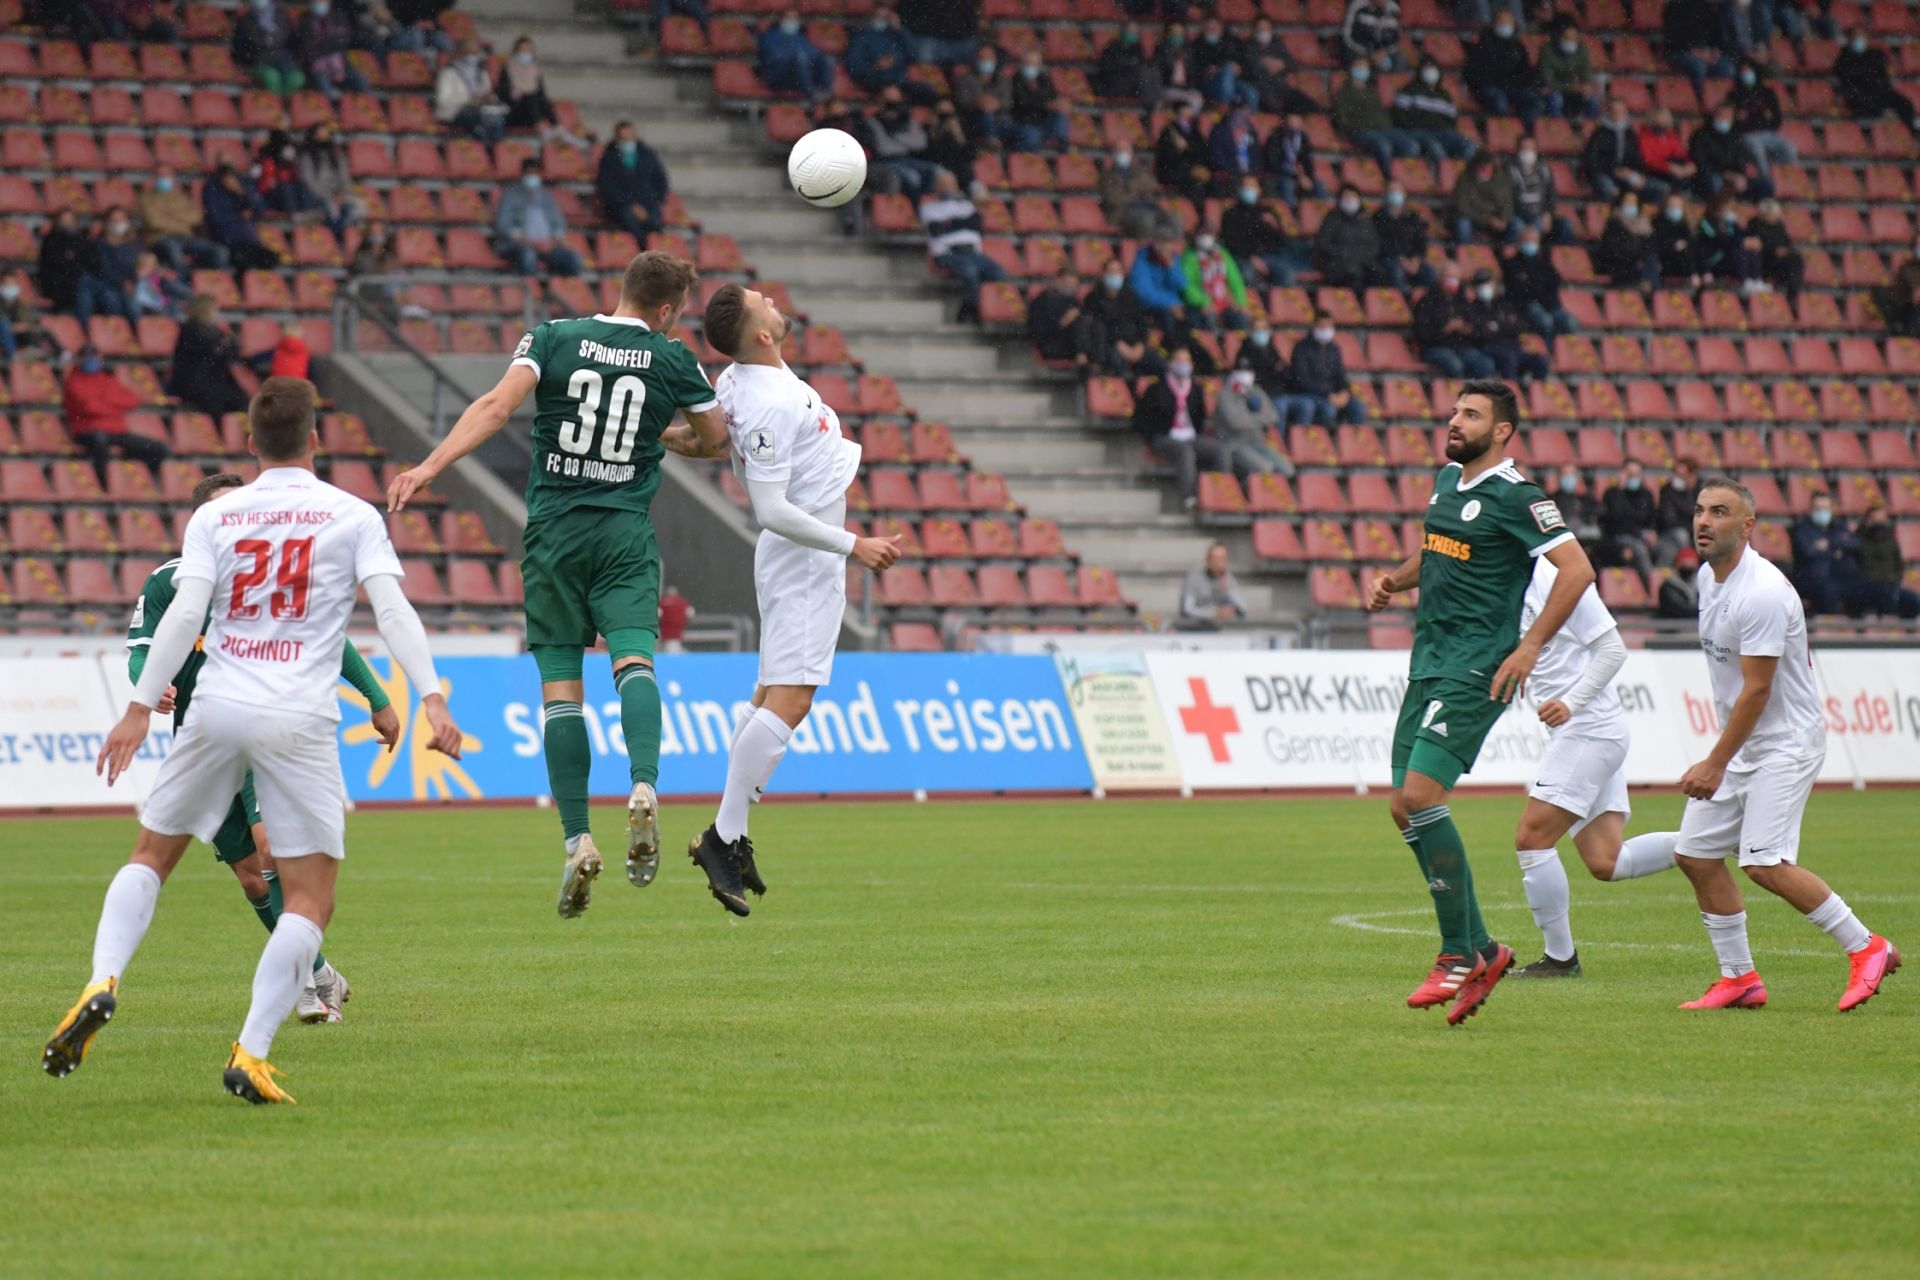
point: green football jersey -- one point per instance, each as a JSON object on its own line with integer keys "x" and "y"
{"x": 609, "y": 386}
{"x": 1476, "y": 561}
{"x": 156, "y": 593}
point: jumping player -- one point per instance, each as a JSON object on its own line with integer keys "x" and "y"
{"x": 278, "y": 562}
{"x": 796, "y": 465}
{"x": 1580, "y": 786}
{"x": 604, "y": 387}
{"x": 241, "y": 841}
{"x": 1485, "y": 525}
{"x": 1747, "y": 798}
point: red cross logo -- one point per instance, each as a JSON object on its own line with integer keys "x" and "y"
{"x": 1212, "y": 722}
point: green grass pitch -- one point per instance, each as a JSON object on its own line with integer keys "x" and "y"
{"x": 1026, "y": 1039}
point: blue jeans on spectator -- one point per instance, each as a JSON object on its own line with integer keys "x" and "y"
{"x": 1524, "y": 103}
{"x": 1015, "y": 136}
{"x": 1224, "y": 85}
{"x": 1560, "y": 232}
{"x": 944, "y": 53}
{"x": 1385, "y": 145}
{"x": 637, "y": 225}
{"x": 1512, "y": 362}
{"x": 811, "y": 75}
{"x": 1440, "y": 144}
{"x": 973, "y": 269}
{"x": 350, "y": 81}
{"x": 1458, "y": 362}
{"x": 910, "y": 173}
{"x": 294, "y": 197}
{"x": 695, "y": 9}
{"x": 1548, "y": 324}
{"x": 527, "y": 260}
{"x": 415, "y": 40}
{"x": 1396, "y": 275}
{"x": 1290, "y": 188}
{"x": 1769, "y": 14}
{"x": 9, "y": 347}
{"x": 1707, "y": 185}
{"x": 178, "y": 251}
{"x": 97, "y": 297}
{"x": 1282, "y": 267}
{"x": 488, "y": 126}
{"x": 1560, "y": 105}
{"x": 1698, "y": 69}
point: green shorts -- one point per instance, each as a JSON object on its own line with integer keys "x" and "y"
{"x": 1443, "y": 723}
{"x": 233, "y": 842}
{"x": 590, "y": 572}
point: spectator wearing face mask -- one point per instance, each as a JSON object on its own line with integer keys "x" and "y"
{"x": 1668, "y": 157}
{"x": 898, "y": 143}
{"x": 96, "y": 405}
{"x": 1721, "y": 250}
{"x": 1176, "y": 69}
{"x": 276, "y": 167}
{"x": 1482, "y": 201}
{"x": 1287, "y": 157}
{"x": 1898, "y": 301}
{"x": 1499, "y": 72}
{"x": 107, "y": 286}
{"x": 523, "y": 87}
{"x": 1038, "y": 109}
{"x": 1826, "y": 559}
{"x": 1060, "y": 327}
{"x": 463, "y": 98}
{"x": 1441, "y": 331}
{"x": 1261, "y": 356}
{"x": 1210, "y": 595}
{"x": 1252, "y": 233}
{"x": 1242, "y": 416}
{"x": 1159, "y": 282}
{"x": 1130, "y": 199}
{"x": 1171, "y": 418}
{"x": 880, "y": 53}
{"x": 1533, "y": 286}
{"x": 1403, "y": 233}
{"x": 1578, "y": 509}
{"x": 1112, "y": 305}
{"x": 1121, "y": 71}
{"x": 1629, "y": 520}
{"x": 1496, "y": 329}
{"x": 1675, "y": 510}
{"x": 632, "y": 184}
{"x": 19, "y": 319}
{"x": 1695, "y": 37}
{"x": 1757, "y": 118}
{"x": 1221, "y": 59}
{"x": 1269, "y": 70}
{"x": 1611, "y": 160}
{"x": 1781, "y": 266}
{"x": 1536, "y": 198}
{"x": 1216, "y": 292}
{"x": 1882, "y": 569}
{"x": 791, "y": 63}
{"x": 1673, "y": 242}
{"x": 1180, "y": 157}
{"x": 1362, "y": 119}
{"x": 948, "y": 145}
{"x": 1371, "y": 33}
{"x": 1626, "y": 254}
{"x": 529, "y": 231}
{"x": 263, "y": 47}
{"x": 1318, "y": 389}
{"x": 322, "y": 39}
{"x": 1567, "y": 86}
{"x": 322, "y": 169}
{"x": 1723, "y": 160}
{"x": 1423, "y": 109}
{"x": 1233, "y": 150}
{"x": 1866, "y": 83}
{"x": 1346, "y": 247}
{"x": 170, "y": 222}
{"x": 1679, "y": 599}
{"x": 986, "y": 74}
{"x": 156, "y": 290}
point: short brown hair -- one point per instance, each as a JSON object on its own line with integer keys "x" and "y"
{"x": 655, "y": 279}
{"x": 725, "y": 320}
{"x": 281, "y": 418}
{"x": 217, "y": 483}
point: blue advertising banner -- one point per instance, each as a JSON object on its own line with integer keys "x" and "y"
{"x": 887, "y": 723}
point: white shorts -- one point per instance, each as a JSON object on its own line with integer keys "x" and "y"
{"x": 803, "y": 597}
{"x": 1755, "y": 814}
{"x": 296, "y": 777}
{"x": 1584, "y": 771}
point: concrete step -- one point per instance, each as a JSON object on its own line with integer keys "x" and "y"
{"x": 1066, "y": 502}
{"x": 696, "y": 178}
{"x": 633, "y": 90}
{"x": 1130, "y": 553}
{"x": 1043, "y": 458}
{"x": 761, "y": 223}
{"x": 837, "y": 307}
{"x": 824, "y": 264}
{"x": 991, "y": 402}
{"x": 900, "y": 354}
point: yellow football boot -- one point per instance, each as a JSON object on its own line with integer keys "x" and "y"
{"x": 67, "y": 1049}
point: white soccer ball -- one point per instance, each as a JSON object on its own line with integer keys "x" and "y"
{"x": 827, "y": 168}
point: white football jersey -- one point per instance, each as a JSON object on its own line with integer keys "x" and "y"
{"x": 285, "y": 555}
{"x": 782, "y": 430}
{"x": 1563, "y": 659}
{"x": 1756, "y": 613}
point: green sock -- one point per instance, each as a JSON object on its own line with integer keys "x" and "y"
{"x": 263, "y": 907}
{"x": 1448, "y": 878}
{"x": 569, "y": 761}
{"x": 268, "y": 909}
{"x": 1412, "y": 838}
{"x": 640, "y": 720}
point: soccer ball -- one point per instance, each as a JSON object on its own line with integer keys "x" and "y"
{"x": 827, "y": 168}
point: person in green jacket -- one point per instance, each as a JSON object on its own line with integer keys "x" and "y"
{"x": 1566, "y": 75}
{"x": 1362, "y": 118}
{"x": 1215, "y": 292}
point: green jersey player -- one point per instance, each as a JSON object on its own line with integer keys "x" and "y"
{"x": 241, "y": 842}
{"x": 605, "y": 389}
{"x": 1484, "y": 526}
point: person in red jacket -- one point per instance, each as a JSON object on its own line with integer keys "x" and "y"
{"x": 1664, "y": 153}
{"x": 96, "y": 405}
{"x": 290, "y": 357}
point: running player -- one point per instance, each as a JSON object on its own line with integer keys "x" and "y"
{"x": 1485, "y": 525}
{"x": 241, "y": 841}
{"x": 1747, "y": 798}
{"x": 282, "y": 556}
{"x": 604, "y": 388}
{"x": 1580, "y": 786}
{"x": 796, "y": 465}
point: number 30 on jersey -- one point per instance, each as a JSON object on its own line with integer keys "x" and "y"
{"x": 622, "y": 425}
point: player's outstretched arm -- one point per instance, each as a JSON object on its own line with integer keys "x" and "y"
{"x": 407, "y": 640}
{"x": 1574, "y": 577}
{"x": 482, "y": 420}
{"x": 1384, "y": 586}
{"x": 385, "y": 720}
{"x": 172, "y": 644}
{"x": 1756, "y": 690}
{"x": 702, "y": 435}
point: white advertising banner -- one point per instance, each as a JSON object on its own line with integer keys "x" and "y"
{"x": 1873, "y": 711}
{"x": 54, "y": 716}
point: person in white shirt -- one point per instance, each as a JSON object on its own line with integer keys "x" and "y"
{"x": 1746, "y": 799}
{"x": 789, "y": 453}
{"x": 277, "y": 562}
{"x": 1580, "y": 786}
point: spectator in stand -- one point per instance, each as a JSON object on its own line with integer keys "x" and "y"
{"x": 1723, "y": 160}
{"x": 524, "y": 89}
{"x": 19, "y": 319}
{"x": 1738, "y": 25}
{"x": 791, "y": 63}
{"x": 156, "y": 290}
{"x": 1668, "y": 159}
{"x": 144, "y": 20}
{"x": 953, "y": 242}
{"x": 1371, "y": 33}
{"x": 1160, "y": 284}
{"x": 1866, "y": 82}
{"x": 631, "y": 184}
{"x": 947, "y": 30}
{"x": 1233, "y": 151}
{"x": 1424, "y": 110}
{"x": 1210, "y": 594}
{"x": 1216, "y": 293}
{"x": 263, "y": 46}
{"x": 170, "y": 221}
{"x": 376, "y": 255}
{"x": 277, "y": 180}
{"x": 1533, "y": 286}
{"x": 1781, "y": 266}
{"x": 322, "y": 39}
{"x": 1253, "y": 235}
{"x": 1626, "y": 254}
{"x": 1060, "y": 327}
{"x": 322, "y": 169}
{"x": 1679, "y": 599}
{"x": 463, "y": 98}
{"x": 1482, "y": 202}
{"x": 1675, "y": 512}
{"x": 1259, "y": 356}
{"x": 1177, "y": 69}
{"x": 1242, "y": 417}
{"x": 1039, "y": 110}
{"x": 1130, "y": 199}
{"x": 1171, "y": 417}
{"x": 1271, "y": 73}
{"x": 1121, "y": 70}
{"x": 1287, "y": 157}
{"x": 1222, "y": 62}
{"x": 203, "y": 360}
{"x": 1611, "y": 160}
{"x": 1757, "y": 117}
{"x": 1826, "y": 559}
{"x": 948, "y": 145}
{"x": 1496, "y": 330}
{"x": 1346, "y": 248}
{"x": 404, "y": 26}
{"x": 1180, "y": 156}
{"x": 1720, "y": 248}
{"x": 1630, "y": 520}
{"x": 228, "y": 207}
{"x": 96, "y": 405}
{"x": 972, "y": 81}
{"x": 1118, "y": 312}
{"x": 1499, "y": 72}
{"x": 289, "y": 356}
{"x": 880, "y": 54}
{"x": 1403, "y": 236}
{"x": 1898, "y": 301}
{"x": 107, "y": 287}
{"x": 1695, "y": 35}
{"x": 1442, "y": 334}
{"x": 1673, "y": 242}
{"x": 1882, "y": 568}
{"x": 1535, "y": 197}
{"x": 675, "y": 609}
{"x": 529, "y": 231}
{"x": 1362, "y": 119}
{"x": 1580, "y": 511}
{"x": 899, "y": 144}
{"x": 1567, "y": 86}
{"x": 1317, "y": 383}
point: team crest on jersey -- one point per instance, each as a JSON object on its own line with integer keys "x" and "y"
{"x": 1547, "y": 517}
{"x": 760, "y": 445}
{"x": 525, "y": 345}
{"x": 139, "y": 613}
{"x": 1471, "y": 511}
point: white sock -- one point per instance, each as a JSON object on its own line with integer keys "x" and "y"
{"x": 756, "y": 750}
{"x": 1729, "y": 937}
{"x": 286, "y": 966}
{"x": 1644, "y": 855}
{"x": 1544, "y": 880}
{"x": 741, "y": 719}
{"x": 124, "y": 918}
{"x": 1844, "y": 927}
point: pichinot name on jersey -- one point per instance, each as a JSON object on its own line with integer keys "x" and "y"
{"x": 623, "y": 357}
{"x": 1453, "y": 548}
{"x": 260, "y": 650}
{"x": 253, "y": 519}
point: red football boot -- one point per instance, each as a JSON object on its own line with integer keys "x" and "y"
{"x": 1443, "y": 983}
{"x": 1743, "y": 992}
{"x": 1872, "y": 965}
{"x": 1480, "y": 985}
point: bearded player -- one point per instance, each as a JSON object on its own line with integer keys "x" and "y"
{"x": 1485, "y": 526}
{"x": 604, "y": 388}
{"x": 796, "y": 465}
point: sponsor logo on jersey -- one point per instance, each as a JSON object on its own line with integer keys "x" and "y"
{"x": 1453, "y": 548}
{"x": 760, "y": 445}
{"x": 1471, "y": 511}
{"x": 523, "y": 346}
{"x": 139, "y": 613}
{"x": 1547, "y": 517}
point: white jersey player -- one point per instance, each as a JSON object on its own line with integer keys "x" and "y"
{"x": 788, "y": 451}
{"x": 1747, "y": 798}
{"x": 277, "y": 562}
{"x": 1580, "y": 785}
